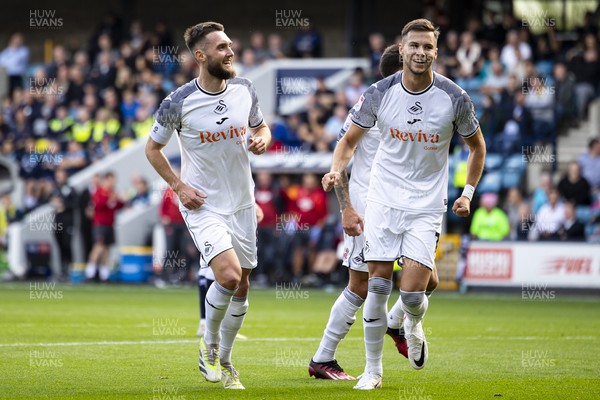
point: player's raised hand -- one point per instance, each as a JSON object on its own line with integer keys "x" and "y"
{"x": 352, "y": 222}
{"x": 330, "y": 180}
{"x": 191, "y": 198}
{"x": 462, "y": 207}
{"x": 257, "y": 145}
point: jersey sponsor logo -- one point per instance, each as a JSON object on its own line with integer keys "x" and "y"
{"x": 415, "y": 109}
{"x": 419, "y": 136}
{"x": 221, "y": 108}
{"x": 413, "y": 121}
{"x": 231, "y": 133}
{"x": 222, "y": 120}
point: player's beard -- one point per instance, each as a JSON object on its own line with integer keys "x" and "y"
{"x": 426, "y": 69}
{"x": 215, "y": 68}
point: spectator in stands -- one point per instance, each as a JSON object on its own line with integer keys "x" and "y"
{"x": 355, "y": 88}
{"x": 585, "y": 64}
{"x": 139, "y": 196}
{"x": 564, "y": 92}
{"x": 468, "y": 55}
{"x": 495, "y": 83}
{"x": 489, "y": 222}
{"x": 376, "y": 47}
{"x": 540, "y": 194}
{"x": 307, "y": 43}
{"x": 309, "y": 210}
{"x": 106, "y": 204}
{"x": 324, "y": 97}
{"x": 276, "y": 50}
{"x": 285, "y": 133}
{"x": 571, "y": 229}
{"x": 74, "y": 92}
{"x": 248, "y": 62}
{"x": 269, "y": 251}
{"x": 177, "y": 258}
{"x": 575, "y": 188}
{"x": 590, "y": 164}
{"x": 257, "y": 44}
{"x": 539, "y": 100}
{"x": 513, "y": 50}
{"x": 447, "y": 53}
{"x": 59, "y": 127}
{"x": 514, "y": 201}
{"x": 75, "y": 159}
{"x": 15, "y": 59}
{"x": 334, "y": 125}
{"x": 550, "y": 217}
{"x": 64, "y": 201}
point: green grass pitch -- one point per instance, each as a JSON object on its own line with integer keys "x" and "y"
{"x": 138, "y": 342}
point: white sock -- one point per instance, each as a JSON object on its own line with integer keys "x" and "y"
{"x": 236, "y": 313}
{"x": 341, "y": 318}
{"x": 104, "y": 272}
{"x": 396, "y": 315}
{"x": 217, "y": 302}
{"x": 375, "y": 322}
{"x": 414, "y": 305}
{"x": 90, "y": 270}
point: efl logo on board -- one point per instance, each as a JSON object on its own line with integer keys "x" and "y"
{"x": 569, "y": 265}
{"x": 489, "y": 264}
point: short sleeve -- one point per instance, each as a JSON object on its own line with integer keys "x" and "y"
{"x": 466, "y": 121}
{"x": 256, "y": 117}
{"x": 364, "y": 112}
{"x": 167, "y": 120}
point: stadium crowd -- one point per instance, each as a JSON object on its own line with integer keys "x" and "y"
{"x": 91, "y": 100}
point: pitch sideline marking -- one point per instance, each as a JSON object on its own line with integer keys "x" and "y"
{"x": 280, "y": 339}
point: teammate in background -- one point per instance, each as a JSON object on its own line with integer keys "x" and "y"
{"x": 212, "y": 116}
{"x": 352, "y": 196}
{"x": 206, "y": 277}
{"x": 417, "y": 112}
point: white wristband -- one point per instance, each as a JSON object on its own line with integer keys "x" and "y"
{"x": 468, "y": 192}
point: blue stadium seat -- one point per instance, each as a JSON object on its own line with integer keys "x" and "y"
{"x": 583, "y": 214}
{"x": 491, "y": 182}
{"x": 514, "y": 162}
{"x": 493, "y": 161}
{"x": 511, "y": 178}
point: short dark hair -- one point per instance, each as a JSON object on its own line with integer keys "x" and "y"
{"x": 390, "y": 61}
{"x": 420, "y": 25}
{"x": 592, "y": 143}
{"x": 196, "y": 34}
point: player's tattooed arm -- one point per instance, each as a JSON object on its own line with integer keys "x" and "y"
{"x": 342, "y": 191}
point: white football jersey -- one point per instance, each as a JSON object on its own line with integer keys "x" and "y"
{"x": 361, "y": 165}
{"x": 212, "y": 129}
{"x": 410, "y": 170}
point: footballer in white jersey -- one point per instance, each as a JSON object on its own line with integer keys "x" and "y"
{"x": 351, "y": 196}
{"x": 417, "y": 112}
{"x": 217, "y": 120}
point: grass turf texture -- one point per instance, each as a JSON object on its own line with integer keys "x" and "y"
{"x": 481, "y": 347}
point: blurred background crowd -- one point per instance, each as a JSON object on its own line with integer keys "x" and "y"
{"x": 94, "y": 98}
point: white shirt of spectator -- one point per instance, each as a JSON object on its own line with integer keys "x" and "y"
{"x": 212, "y": 129}
{"x": 549, "y": 219}
{"x": 508, "y": 56}
{"x": 410, "y": 169}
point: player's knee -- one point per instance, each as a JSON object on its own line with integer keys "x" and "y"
{"x": 412, "y": 299}
{"x": 359, "y": 288}
{"x": 230, "y": 279}
{"x": 434, "y": 281}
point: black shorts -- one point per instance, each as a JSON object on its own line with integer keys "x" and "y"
{"x": 104, "y": 235}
